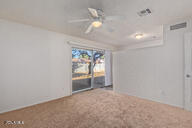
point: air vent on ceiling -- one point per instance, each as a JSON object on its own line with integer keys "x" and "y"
{"x": 178, "y": 26}
{"x": 144, "y": 12}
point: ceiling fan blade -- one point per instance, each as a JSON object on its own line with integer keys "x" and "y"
{"x": 89, "y": 29}
{"x": 93, "y": 12}
{"x": 78, "y": 20}
{"x": 110, "y": 18}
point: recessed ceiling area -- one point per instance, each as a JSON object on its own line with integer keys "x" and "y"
{"x": 55, "y": 14}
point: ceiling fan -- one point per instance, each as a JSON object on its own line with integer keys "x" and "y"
{"x": 97, "y": 20}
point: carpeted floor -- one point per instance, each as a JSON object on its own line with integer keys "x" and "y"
{"x": 99, "y": 109}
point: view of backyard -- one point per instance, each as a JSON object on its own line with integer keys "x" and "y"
{"x": 82, "y": 65}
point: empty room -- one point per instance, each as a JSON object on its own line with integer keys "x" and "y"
{"x": 95, "y": 64}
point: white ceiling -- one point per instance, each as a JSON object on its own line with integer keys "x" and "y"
{"x": 54, "y": 14}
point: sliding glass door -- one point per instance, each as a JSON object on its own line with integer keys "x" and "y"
{"x": 88, "y": 69}
{"x": 81, "y": 69}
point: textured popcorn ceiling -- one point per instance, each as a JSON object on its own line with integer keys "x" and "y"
{"x": 54, "y": 14}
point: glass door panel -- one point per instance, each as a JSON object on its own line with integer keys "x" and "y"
{"x": 81, "y": 69}
{"x": 98, "y": 69}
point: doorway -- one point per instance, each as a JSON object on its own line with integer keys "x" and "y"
{"x": 188, "y": 72}
{"x": 88, "y": 69}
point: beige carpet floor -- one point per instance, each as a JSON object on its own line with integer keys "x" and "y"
{"x": 99, "y": 109}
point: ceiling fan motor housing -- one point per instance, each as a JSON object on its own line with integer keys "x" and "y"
{"x": 100, "y": 13}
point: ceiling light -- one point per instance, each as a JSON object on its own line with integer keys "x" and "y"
{"x": 138, "y": 36}
{"x": 97, "y": 24}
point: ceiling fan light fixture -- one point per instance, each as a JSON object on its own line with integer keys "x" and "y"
{"x": 139, "y": 36}
{"x": 97, "y": 24}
